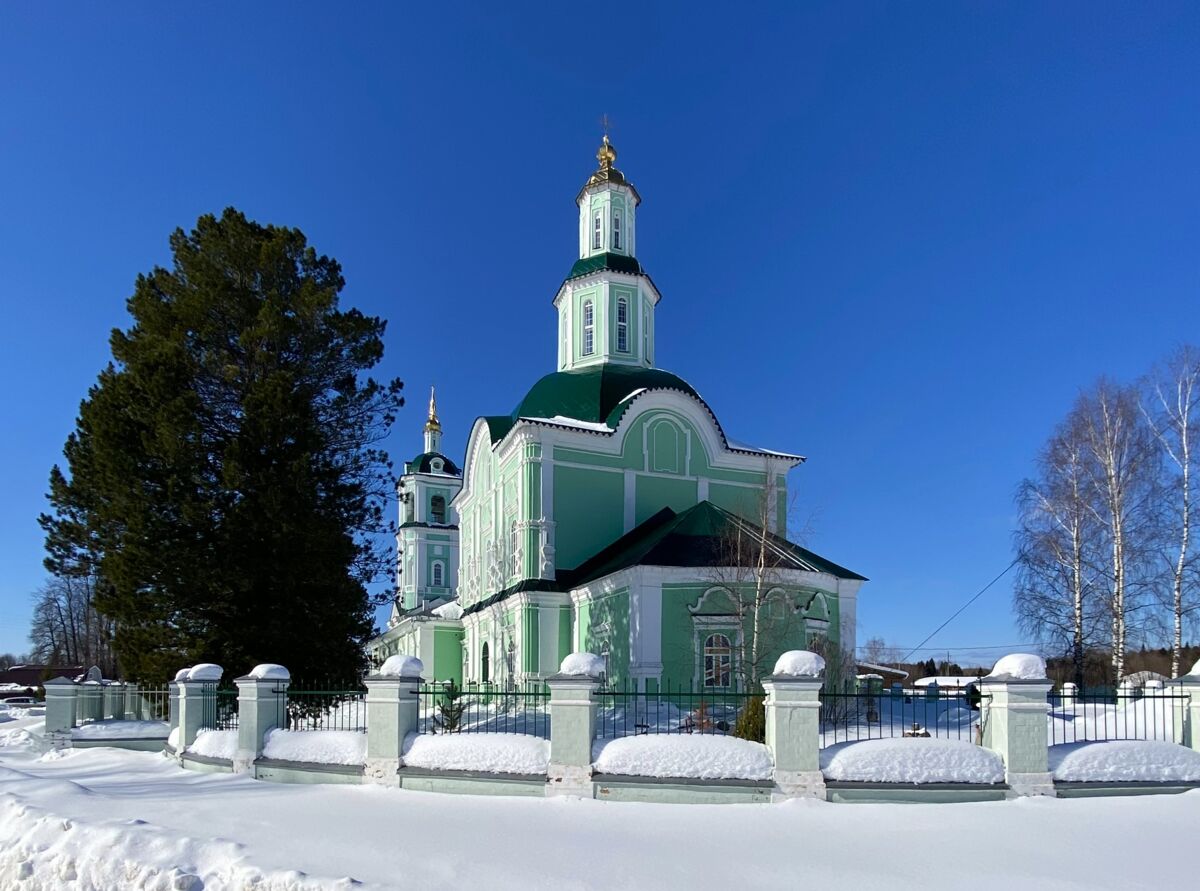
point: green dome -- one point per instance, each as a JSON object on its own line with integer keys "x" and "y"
{"x": 423, "y": 463}
{"x": 595, "y": 395}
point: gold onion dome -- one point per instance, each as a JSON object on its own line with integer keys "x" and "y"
{"x": 433, "y": 423}
{"x": 607, "y": 173}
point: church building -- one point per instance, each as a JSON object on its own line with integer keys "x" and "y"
{"x": 608, "y": 511}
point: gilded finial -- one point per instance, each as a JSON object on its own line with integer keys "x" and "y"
{"x": 433, "y": 423}
{"x": 607, "y": 154}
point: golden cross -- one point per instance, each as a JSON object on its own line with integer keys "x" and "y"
{"x": 604, "y": 123}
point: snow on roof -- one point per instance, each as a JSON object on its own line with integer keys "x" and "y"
{"x": 449, "y": 610}
{"x": 947, "y": 680}
{"x": 886, "y": 669}
{"x": 564, "y": 421}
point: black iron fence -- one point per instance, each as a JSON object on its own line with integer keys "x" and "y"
{"x": 324, "y": 709}
{"x": 1097, "y": 715}
{"x": 484, "y": 708}
{"x": 152, "y": 704}
{"x": 219, "y": 708}
{"x": 672, "y": 709}
{"x": 947, "y": 714}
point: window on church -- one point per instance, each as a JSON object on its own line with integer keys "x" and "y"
{"x": 437, "y": 509}
{"x": 616, "y": 239}
{"x": 718, "y": 661}
{"x": 437, "y": 575}
{"x": 623, "y": 325}
{"x": 589, "y": 328}
{"x": 596, "y": 232}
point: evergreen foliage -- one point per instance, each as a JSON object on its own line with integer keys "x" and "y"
{"x": 223, "y": 482}
{"x": 450, "y": 708}
{"x": 752, "y": 722}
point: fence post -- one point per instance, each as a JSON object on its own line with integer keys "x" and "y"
{"x": 793, "y": 724}
{"x": 1014, "y": 714}
{"x": 1187, "y": 717}
{"x": 60, "y": 711}
{"x": 91, "y": 702}
{"x": 114, "y": 692}
{"x": 132, "y": 707}
{"x": 573, "y": 724}
{"x": 173, "y": 699}
{"x": 195, "y": 688}
{"x": 262, "y": 706}
{"x": 393, "y": 710}
{"x": 1070, "y": 695}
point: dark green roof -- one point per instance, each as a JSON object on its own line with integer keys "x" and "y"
{"x": 700, "y": 536}
{"x": 606, "y": 261}
{"x": 423, "y": 464}
{"x": 597, "y": 395}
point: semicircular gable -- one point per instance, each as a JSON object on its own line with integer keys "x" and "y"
{"x": 479, "y": 448}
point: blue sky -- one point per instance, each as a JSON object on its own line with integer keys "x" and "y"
{"x": 895, "y": 238}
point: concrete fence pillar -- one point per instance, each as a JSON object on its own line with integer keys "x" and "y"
{"x": 194, "y": 707}
{"x": 1070, "y": 696}
{"x": 91, "y": 702}
{"x": 114, "y": 700}
{"x": 573, "y": 724}
{"x": 262, "y": 706}
{"x": 1186, "y": 702}
{"x": 393, "y": 712}
{"x": 793, "y": 721}
{"x": 60, "y": 711}
{"x": 1014, "y": 714}
{"x": 173, "y": 704}
{"x": 133, "y": 703}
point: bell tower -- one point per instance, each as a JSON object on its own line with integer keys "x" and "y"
{"x": 606, "y": 305}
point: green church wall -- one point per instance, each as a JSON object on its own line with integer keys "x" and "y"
{"x": 656, "y": 492}
{"x": 565, "y": 640}
{"x": 589, "y": 512}
{"x": 447, "y": 654}
{"x": 530, "y": 638}
{"x": 607, "y": 633}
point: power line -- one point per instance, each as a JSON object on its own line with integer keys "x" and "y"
{"x": 959, "y": 611}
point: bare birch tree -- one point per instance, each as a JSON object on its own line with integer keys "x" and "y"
{"x": 1056, "y": 539}
{"x": 66, "y": 627}
{"x": 1170, "y": 406}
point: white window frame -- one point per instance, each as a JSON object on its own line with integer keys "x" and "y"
{"x": 437, "y": 574}
{"x": 616, "y": 230}
{"x": 597, "y": 232}
{"x": 622, "y": 325}
{"x": 589, "y": 327}
{"x": 727, "y": 671}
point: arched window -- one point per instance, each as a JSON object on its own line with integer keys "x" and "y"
{"x": 623, "y": 325}
{"x": 484, "y": 669}
{"x": 718, "y": 660}
{"x": 437, "y": 575}
{"x": 616, "y": 238}
{"x": 589, "y": 328}
{"x": 437, "y": 508}
{"x": 596, "y": 232}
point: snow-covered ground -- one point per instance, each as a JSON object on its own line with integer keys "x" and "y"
{"x": 702, "y": 756}
{"x": 1124, "y": 761}
{"x": 107, "y": 819}
{"x": 122, "y": 730}
{"x": 912, "y": 760}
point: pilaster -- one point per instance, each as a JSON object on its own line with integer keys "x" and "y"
{"x": 572, "y": 729}
{"x": 262, "y": 706}
{"x": 1014, "y": 727}
{"x": 393, "y": 710}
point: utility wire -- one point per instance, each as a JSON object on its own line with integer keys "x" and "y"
{"x": 959, "y": 611}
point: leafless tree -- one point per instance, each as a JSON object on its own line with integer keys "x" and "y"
{"x": 1057, "y": 540}
{"x": 1123, "y": 476}
{"x": 1171, "y": 406}
{"x": 877, "y": 651}
{"x": 66, "y": 627}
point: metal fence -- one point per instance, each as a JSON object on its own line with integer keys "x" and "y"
{"x": 219, "y": 708}
{"x": 947, "y": 714}
{"x": 672, "y": 709}
{"x": 1092, "y": 716}
{"x": 328, "y": 709}
{"x": 484, "y": 708}
{"x": 153, "y": 704}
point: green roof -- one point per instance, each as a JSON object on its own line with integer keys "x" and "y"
{"x": 606, "y": 261}
{"x": 598, "y": 394}
{"x": 423, "y": 463}
{"x": 700, "y": 536}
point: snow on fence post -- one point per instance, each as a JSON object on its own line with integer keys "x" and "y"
{"x": 262, "y": 706}
{"x": 573, "y": 724}
{"x": 91, "y": 702}
{"x": 1014, "y": 712}
{"x": 60, "y": 711}
{"x": 793, "y": 724}
{"x": 194, "y": 686}
{"x": 393, "y": 710}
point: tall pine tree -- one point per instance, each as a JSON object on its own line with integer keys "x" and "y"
{"x": 224, "y": 481}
